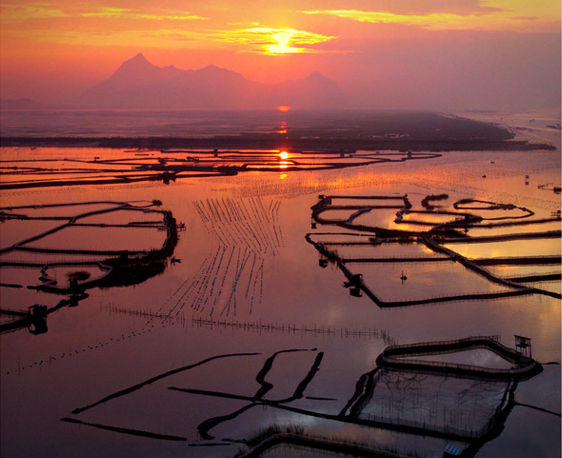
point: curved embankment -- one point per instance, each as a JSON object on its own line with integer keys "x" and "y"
{"x": 316, "y": 444}
{"x": 325, "y": 204}
{"x": 258, "y": 399}
{"x": 469, "y": 264}
{"x": 526, "y": 368}
{"x": 123, "y": 268}
{"x": 465, "y": 219}
{"x": 435, "y": 239}
{"x": 393, "y": 357}
{"x": 168, "y": 169}
{"x": 125, "y": 180}
{"x": 118, "y": 271}
{"x": 126, "y": 272}
{"x": 465, "y": 204}
{"x": 156, "y": 378}
{"x": 519, "y": 290}
{"x": 432, "y": 198}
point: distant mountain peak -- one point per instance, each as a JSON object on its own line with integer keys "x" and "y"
{"x": 139, "y": 57}
{"x": 139, "y": 83}
{"x": 220, "y": 75}
{"x": 137, "y": 62}
{"x": 214, "y": 69}
{"x": 316, "y": 76}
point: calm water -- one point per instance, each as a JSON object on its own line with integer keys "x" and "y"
{"x": 184, "y": 123}
{"x": 251, "y": 287}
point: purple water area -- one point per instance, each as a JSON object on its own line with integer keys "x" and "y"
{"x": 246, "y": 329}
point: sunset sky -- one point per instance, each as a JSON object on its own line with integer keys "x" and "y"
{"x": 449, "y": 54}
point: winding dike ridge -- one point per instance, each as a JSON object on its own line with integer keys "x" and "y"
{"x": 524, "y": 366}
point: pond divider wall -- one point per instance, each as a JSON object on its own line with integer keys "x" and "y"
{"x": 526, "y": 366}
{"x": 121, "y": 269}
{"x": 519, "y": 290}
{"x": 337, "y": 447}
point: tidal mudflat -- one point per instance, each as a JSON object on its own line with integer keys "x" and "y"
{"x": 239, "y": 334}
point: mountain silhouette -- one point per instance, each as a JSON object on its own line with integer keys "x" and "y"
{"x": 137, "y": 83}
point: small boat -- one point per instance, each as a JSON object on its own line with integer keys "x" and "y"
{"x": 403, "y": 277}
{"x": 175, "y": 260}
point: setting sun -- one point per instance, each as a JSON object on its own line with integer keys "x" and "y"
{"x": 282, "y": 46}
{"x": 283, "y": 155}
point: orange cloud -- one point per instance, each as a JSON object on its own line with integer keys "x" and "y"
{"x": 125, "y": 13}
{"x": 494, "y": 19}
{"x": 12, "y": 13}
{"x": 144, "y": 26}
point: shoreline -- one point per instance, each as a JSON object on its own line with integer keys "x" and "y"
{"x": 250, "y": 142}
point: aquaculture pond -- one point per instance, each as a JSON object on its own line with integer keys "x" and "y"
{"x": 207, "y": 315}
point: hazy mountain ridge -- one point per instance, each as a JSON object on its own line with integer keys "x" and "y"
{"x": 137, "y": 83}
